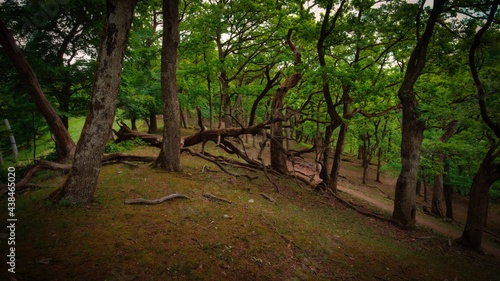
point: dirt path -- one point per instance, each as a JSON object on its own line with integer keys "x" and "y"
{"x": 380, "y": 195}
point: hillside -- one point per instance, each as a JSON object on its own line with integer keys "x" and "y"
{"x": 302, "y": 235}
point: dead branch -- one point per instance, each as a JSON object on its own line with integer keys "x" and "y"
{"x": 193, "y": 153}
{"x": 215, "y": 198}
{"x": 155, "y": 201}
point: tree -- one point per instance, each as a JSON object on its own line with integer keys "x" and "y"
{"x": 278, "y": 158}
{"x": 81, "y": 184}
{"x": 65, "y": 147}
{"x": 169, "y": 157}
{"x": 412, "y": 127}
{"x": 489, "y": 170}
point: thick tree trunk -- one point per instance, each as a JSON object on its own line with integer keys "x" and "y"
{"x": 169, "y": 158}
{"x": 65, "y": 147}
{"x": 412, "y": 127}
{"x": 487, "y": 174}
{"x": 81, "y": 184}
{"x": 278, "y": 158}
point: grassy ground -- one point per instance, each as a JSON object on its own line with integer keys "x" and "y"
{"x": 304, "y": 235}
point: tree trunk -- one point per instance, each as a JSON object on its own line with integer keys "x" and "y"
{"x": 379, "y": 163}
{"x": 153, "y": 123}
{"x": 488, "y": 172}
{"x": 81, "y": 184}
{"x": 278, "y": 158}
{"x": 448, "y": 191}
{"x": 325, "y": 165}
{"x": 337, "y": 158}
{"x": 65, "y": 147}
{"x": 133, "y": 123}
{"x": 486, "y": 175}
{"x": 438, "y": 193}
{"x": 183, "y": 118}
{"x": 169, "y": 158}
{"x": 15, "y": 153}
{"x": 404, "y": 213}
{"x": 438, "y": 203}
{"x": 424, "y": 179}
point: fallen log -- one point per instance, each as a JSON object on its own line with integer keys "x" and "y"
{"x": 125, "y": 133}
{"x": 155, "y": 201}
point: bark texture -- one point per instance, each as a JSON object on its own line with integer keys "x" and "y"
{"x": 412, "y": 127}
{"x": 278, "y": 158}
{"x": 81, "y": 184}
{"x": 170, "y": 155}
{"x": 65, "y": 147}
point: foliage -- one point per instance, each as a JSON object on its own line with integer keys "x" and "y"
{"x": 123, "y": 146}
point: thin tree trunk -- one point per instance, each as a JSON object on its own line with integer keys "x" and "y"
{"x": 448, "y": 192}
{"x": 424, "y": 179}
{"x": 379, "y": 163}
{"x": 81, "y": 184}
{"x": 153, "y": 123}
{"x": 15, "y": 153}
{"x": 65, "y": 147}
{"x": 169, "y": 158}
{"x": 183, "y": 118}
{"x": 438, "y": 193}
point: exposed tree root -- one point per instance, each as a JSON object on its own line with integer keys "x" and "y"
{"x": 155, "y": 201}
{"x": 365, "y": 213}
{"x": 215, "y": 198}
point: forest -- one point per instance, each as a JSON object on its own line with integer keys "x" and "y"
{"x": 253, "y": 140}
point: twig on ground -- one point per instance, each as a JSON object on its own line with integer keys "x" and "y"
{"x": 155, "y": 201}
{"x": 268, "y": 197}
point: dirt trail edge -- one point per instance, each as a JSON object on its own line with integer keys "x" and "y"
{"x": 423, "y": 220}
